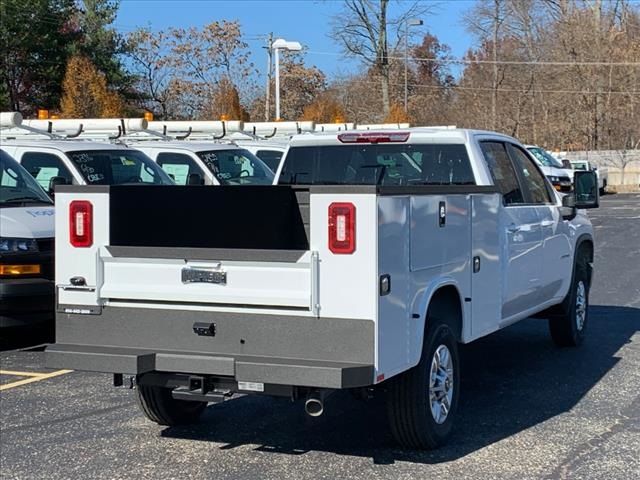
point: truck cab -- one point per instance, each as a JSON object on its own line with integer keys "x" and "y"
{"x": 372, "y": 259}
{"x": 26, "y": 248}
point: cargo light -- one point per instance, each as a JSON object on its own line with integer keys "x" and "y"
{"x": 81, "y": 223}
{"x": 342, "y": 228}
{"x": 16, "y": 270}
{"x": 374, "y": 137}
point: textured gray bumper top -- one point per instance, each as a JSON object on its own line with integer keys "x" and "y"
{"x": 269, "y": 370}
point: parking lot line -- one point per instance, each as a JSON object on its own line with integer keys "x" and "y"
{"x": 20, "y": 374}
{"x": 34, "y": 377}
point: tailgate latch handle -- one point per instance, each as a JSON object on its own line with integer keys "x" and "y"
{"x": 204, "y": 329}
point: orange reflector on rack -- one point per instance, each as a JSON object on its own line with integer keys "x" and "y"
{"x": 14, "y": 270}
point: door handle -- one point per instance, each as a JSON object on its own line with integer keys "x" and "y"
{"x": 547, "y": 223}
{"x": 513, "y": 228}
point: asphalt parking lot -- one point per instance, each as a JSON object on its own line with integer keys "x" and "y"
{"x": 528, "y": 409}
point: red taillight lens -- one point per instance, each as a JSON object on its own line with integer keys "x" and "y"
{"x": 81, "y": 223}
{"x": 374, "y": 137}
{"x": 342, "y": 228}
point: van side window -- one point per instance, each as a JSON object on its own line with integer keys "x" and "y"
{"x": 502, "y": 172}
{"x": 178, "y": 166}
{"x": 533, "y": 179}
{"x": 43, "y": 166}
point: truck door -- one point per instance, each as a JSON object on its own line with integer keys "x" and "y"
{"x": 521, "y": 235}
{"x": 556, "y": 247}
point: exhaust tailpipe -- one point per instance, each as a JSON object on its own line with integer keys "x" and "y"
{"x": 314, "y": 406}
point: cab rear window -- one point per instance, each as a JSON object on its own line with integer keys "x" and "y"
{"x": 395, "y": 164}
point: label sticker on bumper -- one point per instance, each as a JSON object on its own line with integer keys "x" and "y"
{"x": 251, "y": 386}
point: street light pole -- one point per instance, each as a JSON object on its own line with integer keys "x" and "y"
{"x": 281, "y": 44}
{"x": 408, "y": 22}
{"x": 267, "y": 107}
{"x": 277, "y": 55}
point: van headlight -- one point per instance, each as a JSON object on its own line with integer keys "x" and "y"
{"x": 553, "y": 179}
{"x": 11, "y": 245}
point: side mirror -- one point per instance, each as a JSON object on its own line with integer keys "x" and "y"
{"x": 195, "y": 179}
{"x": 566, "y": 164}
{"x": 586, "y": 194}
{"x": 568, "y": 208}
{"x": 53, "y": 181}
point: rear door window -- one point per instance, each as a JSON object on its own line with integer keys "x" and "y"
{"x": 502, "y": 172}
{"x": 372, "y": 164}
{"x": 44, "y": 166}
{"x": 531, "y": 176}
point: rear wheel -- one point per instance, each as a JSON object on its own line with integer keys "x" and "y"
{"x": 568, "y": 329}
{"x": 159, "y": 406}
{"x": 422, "y": 402}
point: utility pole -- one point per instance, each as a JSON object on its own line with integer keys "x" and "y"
{"x": 408, "y": 23}
{"x": 267, "y": 106}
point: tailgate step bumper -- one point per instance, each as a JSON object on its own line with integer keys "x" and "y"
{"x": 268, "y": 370}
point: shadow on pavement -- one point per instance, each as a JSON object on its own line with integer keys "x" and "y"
{"x": 512, "y": 380}
{"x": 19, "y": 338}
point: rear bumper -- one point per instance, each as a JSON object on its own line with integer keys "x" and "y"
{"x": 271, "y": 371}
{"x": 285, "y": 349}
{"x": 26, "y": 301}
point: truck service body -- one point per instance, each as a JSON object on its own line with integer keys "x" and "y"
{"x": 374, "y": 256}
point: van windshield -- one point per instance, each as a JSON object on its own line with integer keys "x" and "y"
{"x": 116, "y": 167}
{"x": 371, "y": 164}
{"x": 17, "y": 187}
{"x": 545, "y": 159}
{"x": 237, "y": 167}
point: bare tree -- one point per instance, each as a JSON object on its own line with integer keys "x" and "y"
{"x": 363, "y": 31}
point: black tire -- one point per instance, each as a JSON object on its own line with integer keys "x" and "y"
{"x": 408, "y": 400}
{"x": 159, "y": 406}
{"x": 567, "y": 328}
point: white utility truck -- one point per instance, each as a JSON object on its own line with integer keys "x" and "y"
{"x": 377, "y": 255}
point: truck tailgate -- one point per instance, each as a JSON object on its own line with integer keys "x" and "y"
{"x": 208, "y": 276}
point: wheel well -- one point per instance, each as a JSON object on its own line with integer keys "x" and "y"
{"x": 585, "y": 248}
{"x": 445, "y": 306}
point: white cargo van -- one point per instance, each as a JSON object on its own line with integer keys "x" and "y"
{"x": 560, "y": 178}
{"x": 269, "y": 151}
{"x": 207, "y": 163}
{"x": 26, "y": 248}
{"x": 80, "y": 162}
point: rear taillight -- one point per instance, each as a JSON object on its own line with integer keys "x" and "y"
{"x": 342, "y": 228}
{"x": 81, "y": 223}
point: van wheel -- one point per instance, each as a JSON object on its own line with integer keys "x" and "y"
{"x": 568, "y": 329}
{"x": 422, "y": 402}
{"x": 159, "y": 406}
